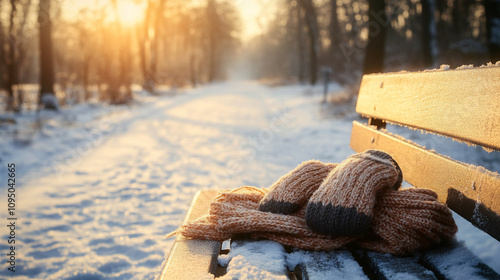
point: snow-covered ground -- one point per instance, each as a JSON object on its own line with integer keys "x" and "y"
{"x": 97, "y": 187}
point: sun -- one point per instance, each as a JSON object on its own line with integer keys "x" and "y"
{"x": 129, "y": 13}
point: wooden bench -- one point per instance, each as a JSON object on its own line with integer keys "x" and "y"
{"x": 462, "y": 104}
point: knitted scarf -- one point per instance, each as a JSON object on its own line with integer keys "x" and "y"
{"x": 401, "y": 221}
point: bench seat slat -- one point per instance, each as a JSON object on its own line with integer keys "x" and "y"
{"x": 193, "y": 259}
{"x": 455, "y": 261}
{"x": 470, "y": 191}
{"x": 463, "y": 104}
{"x": 385, "y": 266}
{"x": 250, "y": 259}
{"x": 338, "y": 264}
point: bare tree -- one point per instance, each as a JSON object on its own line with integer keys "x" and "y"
{"x": 12, "y": 71}
{"x": 220, "y": 26}
{"x": 335, "y": 35}
{"x": 22, "y": 50}
{"x": 429, "y": 43}
{"x": 155, "y": 54}
{"x": 14, "y": 53}
{"x": 301, "y": 48}
{"x": 193, "y": 23}
{"x": 119, "y": 89}
{"x": 377, "y": 29}
{"x": 149, "y": 42}
{"x": 46, "y": 59}
{"x": 312, "y": 27}
{"x": 213, "y": 26}
{"x": 87, "y": 57}
{"x": 3, "y": 60}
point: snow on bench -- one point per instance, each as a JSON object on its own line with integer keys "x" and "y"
{"x": 386, "y": 266}
{"x": 455, "y": 261}
{"x": 255, "y": 260}
{"x": 338, "y": 264}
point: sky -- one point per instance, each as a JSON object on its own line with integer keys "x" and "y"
{"x": 252, "y": 12}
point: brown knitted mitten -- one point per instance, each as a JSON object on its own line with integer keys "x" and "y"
{"x": 292, "y": 190}
{"x": 344, "y": 203}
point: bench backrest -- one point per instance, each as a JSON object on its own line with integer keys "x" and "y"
{"x": 462, "y": 104}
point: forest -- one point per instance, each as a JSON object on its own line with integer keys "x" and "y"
{"x": 58, "y": 52}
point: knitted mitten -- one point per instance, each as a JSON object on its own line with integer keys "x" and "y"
{"x": 292, "y": 190}
{"x": 344, "y": 203}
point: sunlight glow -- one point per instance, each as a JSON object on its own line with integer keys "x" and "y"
{"x": 129, "y": 13}
{"x": 255, "y": 14}
{"x": 249, "y": 11}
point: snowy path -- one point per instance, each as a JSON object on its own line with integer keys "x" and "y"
{"x": 103, "y": 216}
{"x": 100, "y": 211}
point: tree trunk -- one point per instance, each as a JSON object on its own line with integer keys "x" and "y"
{"x": 86, "y": 78}
{"x": 46, "y": 60}
{"x": 154, "y": 57}
{"x": 192, "y": 67}
{"x": 149, "y": 62}
{"x": 86, "y": 57}
{"x": 12, "y": 79}
{"x": 212, "y": 40}
{"x": 143, "y": 40}
{"x": 126, "y": 66}
{"x": 300, "y": 44}
{"x": 21, "y": 54}
{"x": 429, "y": 44}
{"x": 492, "y": 8}
{"x": 377, "y": 29}
{"x": 335, "y": 34}
{"x": 312, "y": 27}
{"x": 124, "y": 81}
{"x": 3, "y": 61}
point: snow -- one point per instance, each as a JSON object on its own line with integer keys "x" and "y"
{"x": 99, "y": 186}
{"x": 50, "y": 101}
{"x": 444, "y": 67}
{"x": 256, "y": 260}
{"x": 268, "y": 260}
{"x": 339, "y": 264}
{"x": 61, "y": 138}
{"x": 470, "y": 66}
{"x": 460, "y": 263}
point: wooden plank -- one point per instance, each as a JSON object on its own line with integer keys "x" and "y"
{"x": 318, "y": 265}
{"x": 455, "y": 261}
{"x": 463, "y": 104}
{"x": 386, "y": 266}
{"x": 471, "y": 191}
{"x": 193, "y": 259}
